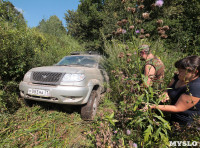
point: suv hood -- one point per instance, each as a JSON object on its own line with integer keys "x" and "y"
{"x": 62, "y": 69}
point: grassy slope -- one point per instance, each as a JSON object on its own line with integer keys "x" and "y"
{"x": 42, "y": 127}
{"x": 48, "y": 126}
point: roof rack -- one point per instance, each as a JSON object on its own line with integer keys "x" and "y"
{"x": 75, "y": 53}
{"x": 90, "y": 52}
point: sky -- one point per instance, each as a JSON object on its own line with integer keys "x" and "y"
{"x": 36, "y": 10}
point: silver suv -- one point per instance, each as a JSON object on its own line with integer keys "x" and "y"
{"x": 78, "y": 79}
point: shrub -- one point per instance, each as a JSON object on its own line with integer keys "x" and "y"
{"x": 132, "y": 123}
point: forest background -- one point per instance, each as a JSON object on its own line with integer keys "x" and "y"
{"x": 115, "y": 28}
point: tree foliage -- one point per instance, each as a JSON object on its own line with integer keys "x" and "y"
{"x": 94, "y": 20}
{"x": 8, "y": 13}
{"x": 84, "y": 24}
{"x": 23, "y": 48}
{"x": 52, "y": 26}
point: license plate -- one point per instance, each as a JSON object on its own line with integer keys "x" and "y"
{"x": 39, "y": 92}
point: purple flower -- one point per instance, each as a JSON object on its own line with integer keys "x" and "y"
{"x": 159, "y": 3}
{"x": 123, "y": 31}
{"x": 115, "y": 132}
{"x": 128, "y": 132}
{"x": 137, "y": 31}
{"x": 134, "y": 145}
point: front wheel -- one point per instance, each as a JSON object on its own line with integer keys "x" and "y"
{"x": 89, "y": 110}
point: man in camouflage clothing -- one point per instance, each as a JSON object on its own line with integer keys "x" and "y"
{"x": 154, "y": 67}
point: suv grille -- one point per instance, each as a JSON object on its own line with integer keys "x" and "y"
{"x": 46, "y": 77}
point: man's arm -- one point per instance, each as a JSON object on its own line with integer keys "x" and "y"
{"x": 149, "y": 72}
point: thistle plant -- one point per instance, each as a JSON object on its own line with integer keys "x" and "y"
{"x": 135, "y": 122}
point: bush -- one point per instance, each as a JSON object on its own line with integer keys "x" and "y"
{"x": 9, "y": 101}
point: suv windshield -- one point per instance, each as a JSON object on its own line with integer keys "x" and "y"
{"x": 88, "y": 61}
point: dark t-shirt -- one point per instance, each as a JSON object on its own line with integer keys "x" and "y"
{"x": 192, "y": 88}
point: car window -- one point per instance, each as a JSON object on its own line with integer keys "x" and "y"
{"x": 88, "y": 61}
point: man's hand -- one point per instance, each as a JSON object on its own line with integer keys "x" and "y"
{"x": 164, "y": 97}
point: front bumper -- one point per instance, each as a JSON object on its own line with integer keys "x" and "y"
{"x": 74, "y": 95}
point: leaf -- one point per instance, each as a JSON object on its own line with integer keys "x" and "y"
{"x": 164, "y": 138}
{"x": 156, "y": 135}
{"x": 166, "y": 123}
{"x": 147, "y": 133}
{"x": 112, "y": 115}
{"x": 160, "y": 118}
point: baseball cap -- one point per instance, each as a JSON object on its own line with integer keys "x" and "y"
{"x": 144, "y": 48}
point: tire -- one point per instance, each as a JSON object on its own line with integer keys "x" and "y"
{"x": 28, "y": 102}
{"x": 89, "y": 110}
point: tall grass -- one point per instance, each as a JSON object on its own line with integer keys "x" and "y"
{"x": 39, "y": 127}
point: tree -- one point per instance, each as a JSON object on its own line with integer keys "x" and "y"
{"x": 8, "y": 13}
{"x": 52, "y": 26}
{"x": 84, "y": 24}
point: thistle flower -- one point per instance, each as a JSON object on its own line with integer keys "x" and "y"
{"x": 164, "y": 36}
{"x": 128, "y": 60}
{"x": 139, "y": 21}
{"x": 142, "y": 31}
{"x": 120, "y": 72}
{"x": 116, "y": 76}
{"x": 133, "y": 10}
{"x": 128, "y": 9}
{"x": 119, "y": 23}
{"x": 141, "y": 36}
{"x": 124, "y": 21}
{"x": 135, "y": 145}
{"x": 128, "y": 132}
{"x": 145, "y": 15}
{"x": 157, "y": 123}
{"x": 101, "y": 124}
{"x": 119, "y": 31}
{"x": 131, "y": 27}
{"x": 159, "y": 28}
{"x": 141, "y": 7}
{"x": 166, "y": 27}
{"x": 159, "y": 22}
{"x": 113, "y": 71}
{"x": 121, "y": 55}
{"x": 159, "y": 3}
{"x": 161, "y": 32}
{"x": 153, "y": 6}
{"x": 128, "y": 54}
{"x": 123, "y": 1}
{"x": 137, "y": 31}
{"x": 115, "y": 132}
{"x": 147, "y": 35}
{"x": 123, "y": 31}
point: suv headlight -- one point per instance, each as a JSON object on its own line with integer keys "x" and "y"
{"x": 73, "y": 77}
{"x": 27, "y": 77}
